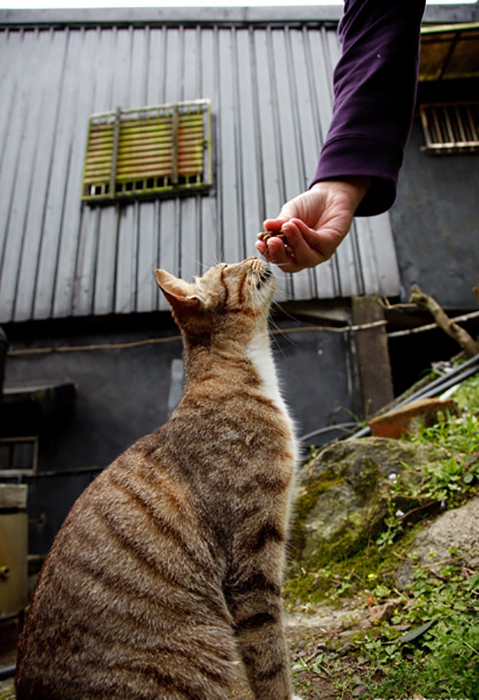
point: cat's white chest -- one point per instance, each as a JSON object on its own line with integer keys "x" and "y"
{"x": 260, "y": 354}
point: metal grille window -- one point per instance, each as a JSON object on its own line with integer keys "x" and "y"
{"x": 18, "y": 456}
{"x": 148, "y": 152}
{"x": 451, "y": 128}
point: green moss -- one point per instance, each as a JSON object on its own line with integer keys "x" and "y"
{"x": 341, "y": 552}
{"x": 350, "y": 536}
{"x": 358, "y": 570}
{"x": 306, "y": 502}
{"x": 7, "y": 694}
{"x": 346, "y": 503}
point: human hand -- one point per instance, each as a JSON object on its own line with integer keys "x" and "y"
{"x": 314, "y": 223}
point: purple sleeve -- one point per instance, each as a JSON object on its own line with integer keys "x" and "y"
{"x": 374, "y": 95}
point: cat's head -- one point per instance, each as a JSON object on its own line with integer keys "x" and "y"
{"x": 240, "y": 294}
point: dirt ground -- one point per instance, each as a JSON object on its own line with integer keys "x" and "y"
{"x": 312, "y": 636}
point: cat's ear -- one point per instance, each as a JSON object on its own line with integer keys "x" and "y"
{"x": 177, "y": 292}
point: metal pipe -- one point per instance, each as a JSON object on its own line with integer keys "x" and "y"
{"x": 458, "y": 371}
{"x": 327, "y": 429}
{"x": 7, "y": 672}
{"x": 437, "y": 386}
{"x": 3, "y": 356}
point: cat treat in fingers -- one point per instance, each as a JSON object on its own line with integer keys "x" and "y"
{"x": 266, "y": 235}
{"x": 167, "y": 572}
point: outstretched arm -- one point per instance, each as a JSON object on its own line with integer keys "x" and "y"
{"x": 374, "y": 96}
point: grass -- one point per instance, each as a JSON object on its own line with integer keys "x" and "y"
{"x": 428, "y": 646}
{"x": 7, "y": 695}
{"x": 438, "y": 655}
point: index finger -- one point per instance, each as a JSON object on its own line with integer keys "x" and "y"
{"x": 275, "y": 252}
{"x": 274, "y": 224}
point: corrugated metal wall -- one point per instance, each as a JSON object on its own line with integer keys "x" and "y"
{"x": 270, "y": 87}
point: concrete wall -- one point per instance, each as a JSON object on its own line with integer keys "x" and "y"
{"x": 122, "y": 394}
{"x": 435, "y": 223}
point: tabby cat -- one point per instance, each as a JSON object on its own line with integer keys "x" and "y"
{"x": 168, "y": 569}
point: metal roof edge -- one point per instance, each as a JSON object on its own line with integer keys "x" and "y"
{"x": 446, "y": 14}
{"x": 449, "y": 28}
{"x": 171, "y": 15}
{"x": 449, "y": 14}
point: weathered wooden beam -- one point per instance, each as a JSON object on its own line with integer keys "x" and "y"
{"x": 467, "y": 343}
{"x": 373, "y": 362}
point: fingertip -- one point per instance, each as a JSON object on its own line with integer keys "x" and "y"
{"x": 273, "y": 224}
{"x": 291, "y": 231}
{"x": 276, "y": 253}
{"x": 287, "y": 227}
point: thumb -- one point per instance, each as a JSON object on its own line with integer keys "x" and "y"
{"x": 289, "y": 210}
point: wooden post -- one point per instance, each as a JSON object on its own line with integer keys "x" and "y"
{"x": 174, "y": 145}
{"x": 116, "y": 147}
{"x": 372, "y": 355}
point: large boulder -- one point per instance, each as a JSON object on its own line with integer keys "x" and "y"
{"x": 345, "y": 494}
{"x": 453, "y": 537}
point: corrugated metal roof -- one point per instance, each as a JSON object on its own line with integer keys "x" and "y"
{"x": 449, "y": 52}
{"x": 269, "y": 83}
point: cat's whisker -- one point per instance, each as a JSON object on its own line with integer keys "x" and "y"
{"x": 283, "y": 311}
{"x": 199, "y": 263}
{"x": 280, "y": 333}
{"x": 276, "y": 330}
{"x": 278, "y": 349}
{"x": 282, "y": 264}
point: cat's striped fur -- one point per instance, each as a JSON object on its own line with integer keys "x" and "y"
{"x": 169, "y": 567}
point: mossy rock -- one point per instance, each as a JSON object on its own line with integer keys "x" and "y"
{"x": 344, "y": 496}
{"x": 452, "y": 538}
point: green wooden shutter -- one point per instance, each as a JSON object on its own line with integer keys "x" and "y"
{"x": 148, "y": 152}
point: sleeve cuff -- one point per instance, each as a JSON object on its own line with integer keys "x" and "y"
{"x": 363, "y": 156}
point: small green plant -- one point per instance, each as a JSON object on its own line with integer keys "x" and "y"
{"x": 457, "y": 472}
{"x": 7, "y": 694}
{"x": 424, "y": 640}
{"x": 447, "y": 482}
{"x": 430, "y": 645}
{"x": 467, "y": 395}
{"x": 456, "y": 434}
{"x": 438, "y": 655}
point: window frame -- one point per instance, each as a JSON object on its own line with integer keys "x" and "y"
{"x": 15, "y": 471}
{"x": 445, "y": 129}
{"x": 148, "y": 152}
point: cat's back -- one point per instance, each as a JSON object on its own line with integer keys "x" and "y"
{"x": 129, "y": 571}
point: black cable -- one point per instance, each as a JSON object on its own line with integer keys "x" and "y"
{"x": 7, "y": 672}
{"x": 437, "y": 386}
